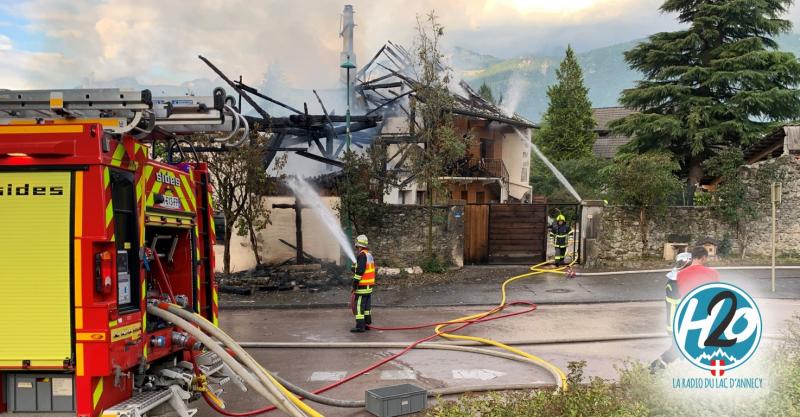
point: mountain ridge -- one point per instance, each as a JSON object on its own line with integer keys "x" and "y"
{"x": 604, "y": 70}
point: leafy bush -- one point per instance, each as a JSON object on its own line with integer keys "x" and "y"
{"x": 431, "y": 263}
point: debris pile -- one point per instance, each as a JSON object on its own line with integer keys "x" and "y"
{"x": 284, "y": 277}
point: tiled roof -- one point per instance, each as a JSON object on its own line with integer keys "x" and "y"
{"x": 607, "y": 143}
{"x": 607, "y": 146}
{"x": 476, "y": 106}
{"x": 605, "y": 115}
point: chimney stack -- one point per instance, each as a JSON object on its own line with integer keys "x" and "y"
{"x": 346, "y": 33}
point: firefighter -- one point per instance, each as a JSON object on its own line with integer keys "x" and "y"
{"x": 363, "y": 281}
{"x": 690, "y": 272}
{"x": 560, "y": 233}
{"x": 672, "y": 299}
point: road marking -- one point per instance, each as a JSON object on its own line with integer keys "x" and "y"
{"x": 479, "y": 374}
{"x": 398, "y": 375}
{"x": 327, "y": 376}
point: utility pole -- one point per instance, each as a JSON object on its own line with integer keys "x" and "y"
{"x": 348, "y": 226}
{"x": 776, "y": 199}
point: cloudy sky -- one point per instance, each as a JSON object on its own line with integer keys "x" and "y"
{"x": 63, "y": 43}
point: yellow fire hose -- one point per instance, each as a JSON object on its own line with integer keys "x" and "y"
{"x": 535, "y": 270}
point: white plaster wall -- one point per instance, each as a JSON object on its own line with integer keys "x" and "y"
{"x": 242, "y": 257}
{"x": 317, "y": 240}
{"x": 516, "y": 152}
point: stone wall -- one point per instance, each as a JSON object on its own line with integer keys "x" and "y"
{"x": 787, "y": 214}
{"x": 618, "y": 242}
{"x": 400, "y": 241}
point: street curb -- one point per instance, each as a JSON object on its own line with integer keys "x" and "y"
{"x": 261, "y": 306}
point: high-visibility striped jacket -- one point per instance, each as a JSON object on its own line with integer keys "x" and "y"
{"x": 560, "y": 234}
{"x": 673, "y": 297}
{"x": 364, "y": 277}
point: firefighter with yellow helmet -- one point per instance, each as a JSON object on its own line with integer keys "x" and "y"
{"x": 560, "y": 233}
{"x": 363, "y": 282}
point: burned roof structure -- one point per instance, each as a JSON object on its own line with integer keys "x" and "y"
{"x": 383, "y": 86}
{"x": 301, "y": 131}
{"x": 388, "y": 80}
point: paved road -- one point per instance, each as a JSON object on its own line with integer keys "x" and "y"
{"x": 479, "y": 286}
{"x": 314, "y": 368}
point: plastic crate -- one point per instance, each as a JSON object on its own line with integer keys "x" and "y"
{"x": 396, "y": 400}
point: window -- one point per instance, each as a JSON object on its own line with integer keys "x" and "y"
{"x": 479, "y": 197}
{"x": 464, "y": 195}
{"x": 526, "y": 162}
{"x": 486, "y": 148}
{"x": 420, "y": 197}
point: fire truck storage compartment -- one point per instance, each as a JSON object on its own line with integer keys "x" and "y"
{"x": 175, "y": 249}
{"x": 35, "y": 274}
{"x": 40, "y": 392}
{"x": 126, "y": 238}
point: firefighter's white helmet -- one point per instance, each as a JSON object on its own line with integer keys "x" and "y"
{"x": 362, "y": 241}
{"x": 683, "y": 260}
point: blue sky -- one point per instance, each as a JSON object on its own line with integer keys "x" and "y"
{"x": 63, "y": 43}
{"x": 15, "y": 28}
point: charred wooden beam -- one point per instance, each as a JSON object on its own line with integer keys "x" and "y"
{"x": 321, "y": 159}
{"x": 330, "y": 136}
{"x": 381, "y": 86}
{"x": 363, "y": 69}
{"x": 305, "y": 254}
{"x": 313, "y": 119}
{"x": 233, "y": 85}
{"x": 397, "y": 139}
{"x": 381, "y": 78}
{"x": 254, "y": 91}
{"x": 406, "y": 182}
{"x": 272, "y": 148}
{"x": 298, "y": 226}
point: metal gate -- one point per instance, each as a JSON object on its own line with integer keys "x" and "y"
{"x": 505, "y": 233}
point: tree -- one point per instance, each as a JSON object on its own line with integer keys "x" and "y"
{"x": 254, "y": 216}
{"x": 567, "y": 126}
{"x": 720, "y": 82}
{"x": 486, "y": 93}
{"x": 362, "y": 185}
{"x": 645, "y": 182}
{"x": 239, "y": 178}
{"x": 442, "y": 146}
{"x": 581, "y": 173}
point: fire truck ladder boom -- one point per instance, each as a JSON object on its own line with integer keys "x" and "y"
{"x": 121, "y": 111}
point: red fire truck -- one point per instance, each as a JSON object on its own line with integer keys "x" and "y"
{"x": 94, "y": 229}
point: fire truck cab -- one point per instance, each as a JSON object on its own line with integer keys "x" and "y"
{"x": 94, "y": 229}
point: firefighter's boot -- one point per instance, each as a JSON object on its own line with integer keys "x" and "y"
{"x": 360, "y": 327}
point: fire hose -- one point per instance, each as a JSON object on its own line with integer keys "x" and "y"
{"x": 266, "y": 388}
{"x": 277, "y": 390}
{"x": 230, "y": 343}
